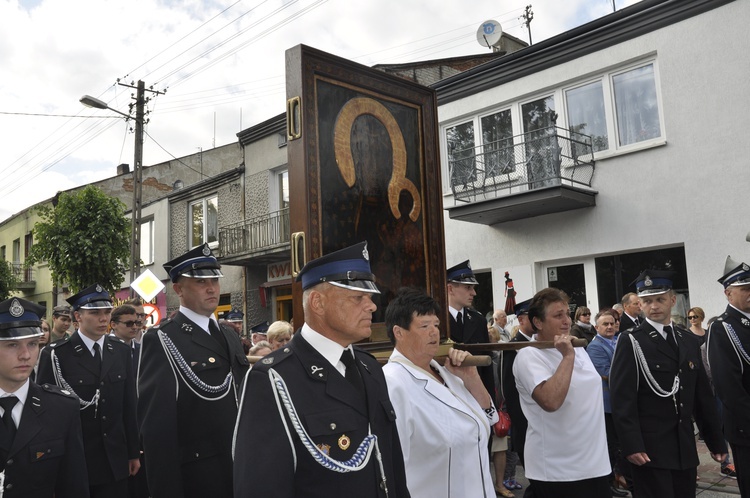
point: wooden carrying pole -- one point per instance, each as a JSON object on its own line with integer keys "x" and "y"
{"x": 476, "y": 360}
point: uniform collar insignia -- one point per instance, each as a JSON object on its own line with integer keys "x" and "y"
{"x": 745, "y": 321}
{"x": 267, "y": 361}
{"x": 187, "y": 327}
{"x": 317, "y": 371}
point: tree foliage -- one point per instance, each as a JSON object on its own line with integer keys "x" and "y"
{"x": 85, "y": 239}
{"x": 8, "y": 280}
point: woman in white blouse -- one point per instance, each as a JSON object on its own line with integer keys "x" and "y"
{"x": 443, "y": 414}
{"x": 561, "y": 396}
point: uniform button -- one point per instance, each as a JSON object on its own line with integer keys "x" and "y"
{"x": 197, "y": 455}
{"x": 104, "y": 417}
{"x": 203, "y": 364}
{"x": 681, "y": 405}
{"x": 9, "y": 462}
{"x": 102, "y": 400}
{"x": 9, "y": 485}
{"x": 80, "y": 382}
{"x": 105, "y": 434}
{"x": 101, "y": 383}
{"x": 333, "y": 427}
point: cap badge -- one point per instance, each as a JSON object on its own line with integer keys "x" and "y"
{"x": 365, "y": 254}
{"x": 16, "y": 309}
{"x": 206, "y": 250}
{"x": 745, "y": 267}
{"x": 324, "y": 448}
{"x": 99, "y": 288}
{"x": 468, "y": 265}
{"x": 648, "y": 281}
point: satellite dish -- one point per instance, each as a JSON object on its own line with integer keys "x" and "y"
{"x": 489, "y": 34}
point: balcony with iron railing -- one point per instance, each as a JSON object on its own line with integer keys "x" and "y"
{"x": 541, "y": 172}
{"x": 24, "y": 277}
{"x": 262, "y": 239}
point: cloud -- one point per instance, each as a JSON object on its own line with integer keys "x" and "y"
{"x": 53, "y": 52}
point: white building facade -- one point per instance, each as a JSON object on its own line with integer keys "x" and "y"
{"x": 660, "y": 88}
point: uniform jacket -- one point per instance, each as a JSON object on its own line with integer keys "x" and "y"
{"x": 662, "y": 427}
{"x": 186, "y": 438}
{"x": 110, "y": 433}
{"x": 332, "y": 412}
{"x": 474, "y": 332}
{"x": 512, "y": 401}
{"x": 731, "y": 374}
{"x": 601, "y": 352}
{"x": 47, "y": 457}
{"x": 626, "y": 323}
{"x": 444, "y": 432}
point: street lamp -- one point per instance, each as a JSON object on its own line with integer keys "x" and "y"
{"x": 135, "y": 232}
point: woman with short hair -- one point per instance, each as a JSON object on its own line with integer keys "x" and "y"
{"x": 561, "y": 396}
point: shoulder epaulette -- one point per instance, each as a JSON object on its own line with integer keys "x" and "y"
{"x": 52, "y": 388}
{"x": 59, "y": 342}
{"x": 274, "y": 358}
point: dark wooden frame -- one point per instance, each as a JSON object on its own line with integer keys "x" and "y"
{"x": 320, "y": 86}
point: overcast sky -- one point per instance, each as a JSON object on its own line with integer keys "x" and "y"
{"x": 222, "y": 64}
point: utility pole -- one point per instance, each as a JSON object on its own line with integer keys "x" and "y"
{"x": 528, "y": 16}
{"x": 135, "y": 232}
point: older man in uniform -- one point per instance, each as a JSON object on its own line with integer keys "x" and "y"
{"x": 190, "y": 372}
{"x": 98, "y": 369}
{"x": 315, "y": 418}
{"x": 41, "y": 448}
{"x": 657, "y": 384}
{"x": 728, "y": 347}
{"x": 467, "y": 325}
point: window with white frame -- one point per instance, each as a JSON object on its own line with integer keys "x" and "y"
{"x": 620, "y": 109}
{"x": 147, "y": 241}
{"x": 204, "y": 222}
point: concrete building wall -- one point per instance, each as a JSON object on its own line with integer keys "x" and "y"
{"x": 686, "y": 190}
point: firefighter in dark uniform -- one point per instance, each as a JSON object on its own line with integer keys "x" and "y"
{"x": 41, "y": 448}
{"x": 190, "y": 372}
{"x": 315, "y": 418}
{"x": 729, "y": 357}
{"x": 657, "y": 384}
{"x": 98, "y": 369}
{"x": 467, "y": 325}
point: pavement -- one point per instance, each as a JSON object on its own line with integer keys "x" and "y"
{"x": 711, "y": 483}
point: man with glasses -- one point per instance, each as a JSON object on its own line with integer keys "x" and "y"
{"x": 140, "y": 313}
{"x": 728, "y": 346}
{"x": 126, "y": 326}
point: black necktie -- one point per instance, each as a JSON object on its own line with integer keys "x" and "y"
{"x": 218, "y": 335}
{"x": 10, "y": 426}
{"x": 460, "y": 319}
{"x": 97, "y": 354}
{"x": 636, "y": 321}
{"x": 670, "y": 338}
{"x": 352, "y": 374}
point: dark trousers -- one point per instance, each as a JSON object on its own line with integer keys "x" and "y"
{"x": 117, "y": 489}
{"x": 741, "y": 454}
{"x": 650, "y": 482}
{"x": 597, "y": 487}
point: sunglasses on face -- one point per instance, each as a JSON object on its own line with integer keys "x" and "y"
{"x": 130, "y": 323}
{"x": 692, "y": 317}
{"x": 585, "y": 314}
